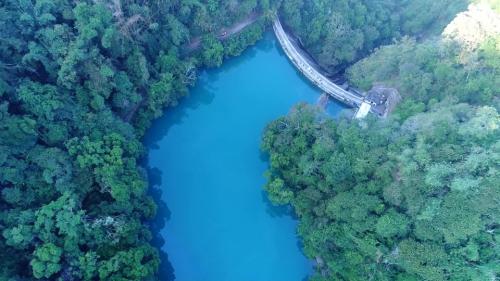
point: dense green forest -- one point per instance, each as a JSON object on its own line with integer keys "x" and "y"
{"x": 339, "y": 32}
{"x": 415, "y": 196}
{"x": 80, "y": 82}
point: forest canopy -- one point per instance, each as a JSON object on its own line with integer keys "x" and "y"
{"x": 408, "y": 198}
{"x": 80, "y": 82}
{"x": 339, "y": 32}
{"x": 414, "y": 196}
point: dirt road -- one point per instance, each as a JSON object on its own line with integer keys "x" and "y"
{"x": 226, "y": 32}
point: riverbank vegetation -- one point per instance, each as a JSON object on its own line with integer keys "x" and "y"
{"x": 414, "y": 196}
{"x": 80, "y": 82}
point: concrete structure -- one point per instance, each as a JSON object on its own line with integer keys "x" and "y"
{"x": 363, "y": 110}
{"x": 318, "y": 79}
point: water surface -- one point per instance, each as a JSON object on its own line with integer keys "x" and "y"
{"x": 206, "y": 164}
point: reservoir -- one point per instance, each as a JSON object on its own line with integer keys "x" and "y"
{"x": 214, "y": 222}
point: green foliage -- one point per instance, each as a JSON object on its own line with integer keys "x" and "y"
{"x": 213, "y": 51}
{"x": 237, "y": 44}
{"x": 80, "y": 82}
{"x": 59, "y": 217}
{"x": 46, "y": 261}
{"x": 364, "y": 195}
{"x": 412, "y": 197}
{"x": 134, "y": 264}
{"x": 428, "y": 72}
{"x": 392, "y": 224}
{"x": 339, "y": 32}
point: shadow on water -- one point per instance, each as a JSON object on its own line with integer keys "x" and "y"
{"x": 266, "y": 44}
{"x": 166, "y": 270}
{"x": 235, "y": 62}
{"x": 176, "y": 115}
{"x": 272, "y": 209}
{"x": 277, "y": 211}
{"x": 158, "y": 131}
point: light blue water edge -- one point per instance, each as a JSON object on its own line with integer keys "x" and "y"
{"x": 205, "y": 164}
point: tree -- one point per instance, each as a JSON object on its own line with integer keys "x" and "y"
{"x": 213, "y": 51}
{"x": 46, "y": 261}
{"x": 392, "y": 224}
{"x": 410, "y": 197}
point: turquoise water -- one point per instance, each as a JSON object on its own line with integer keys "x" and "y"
{"x": 205, "y": 164}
